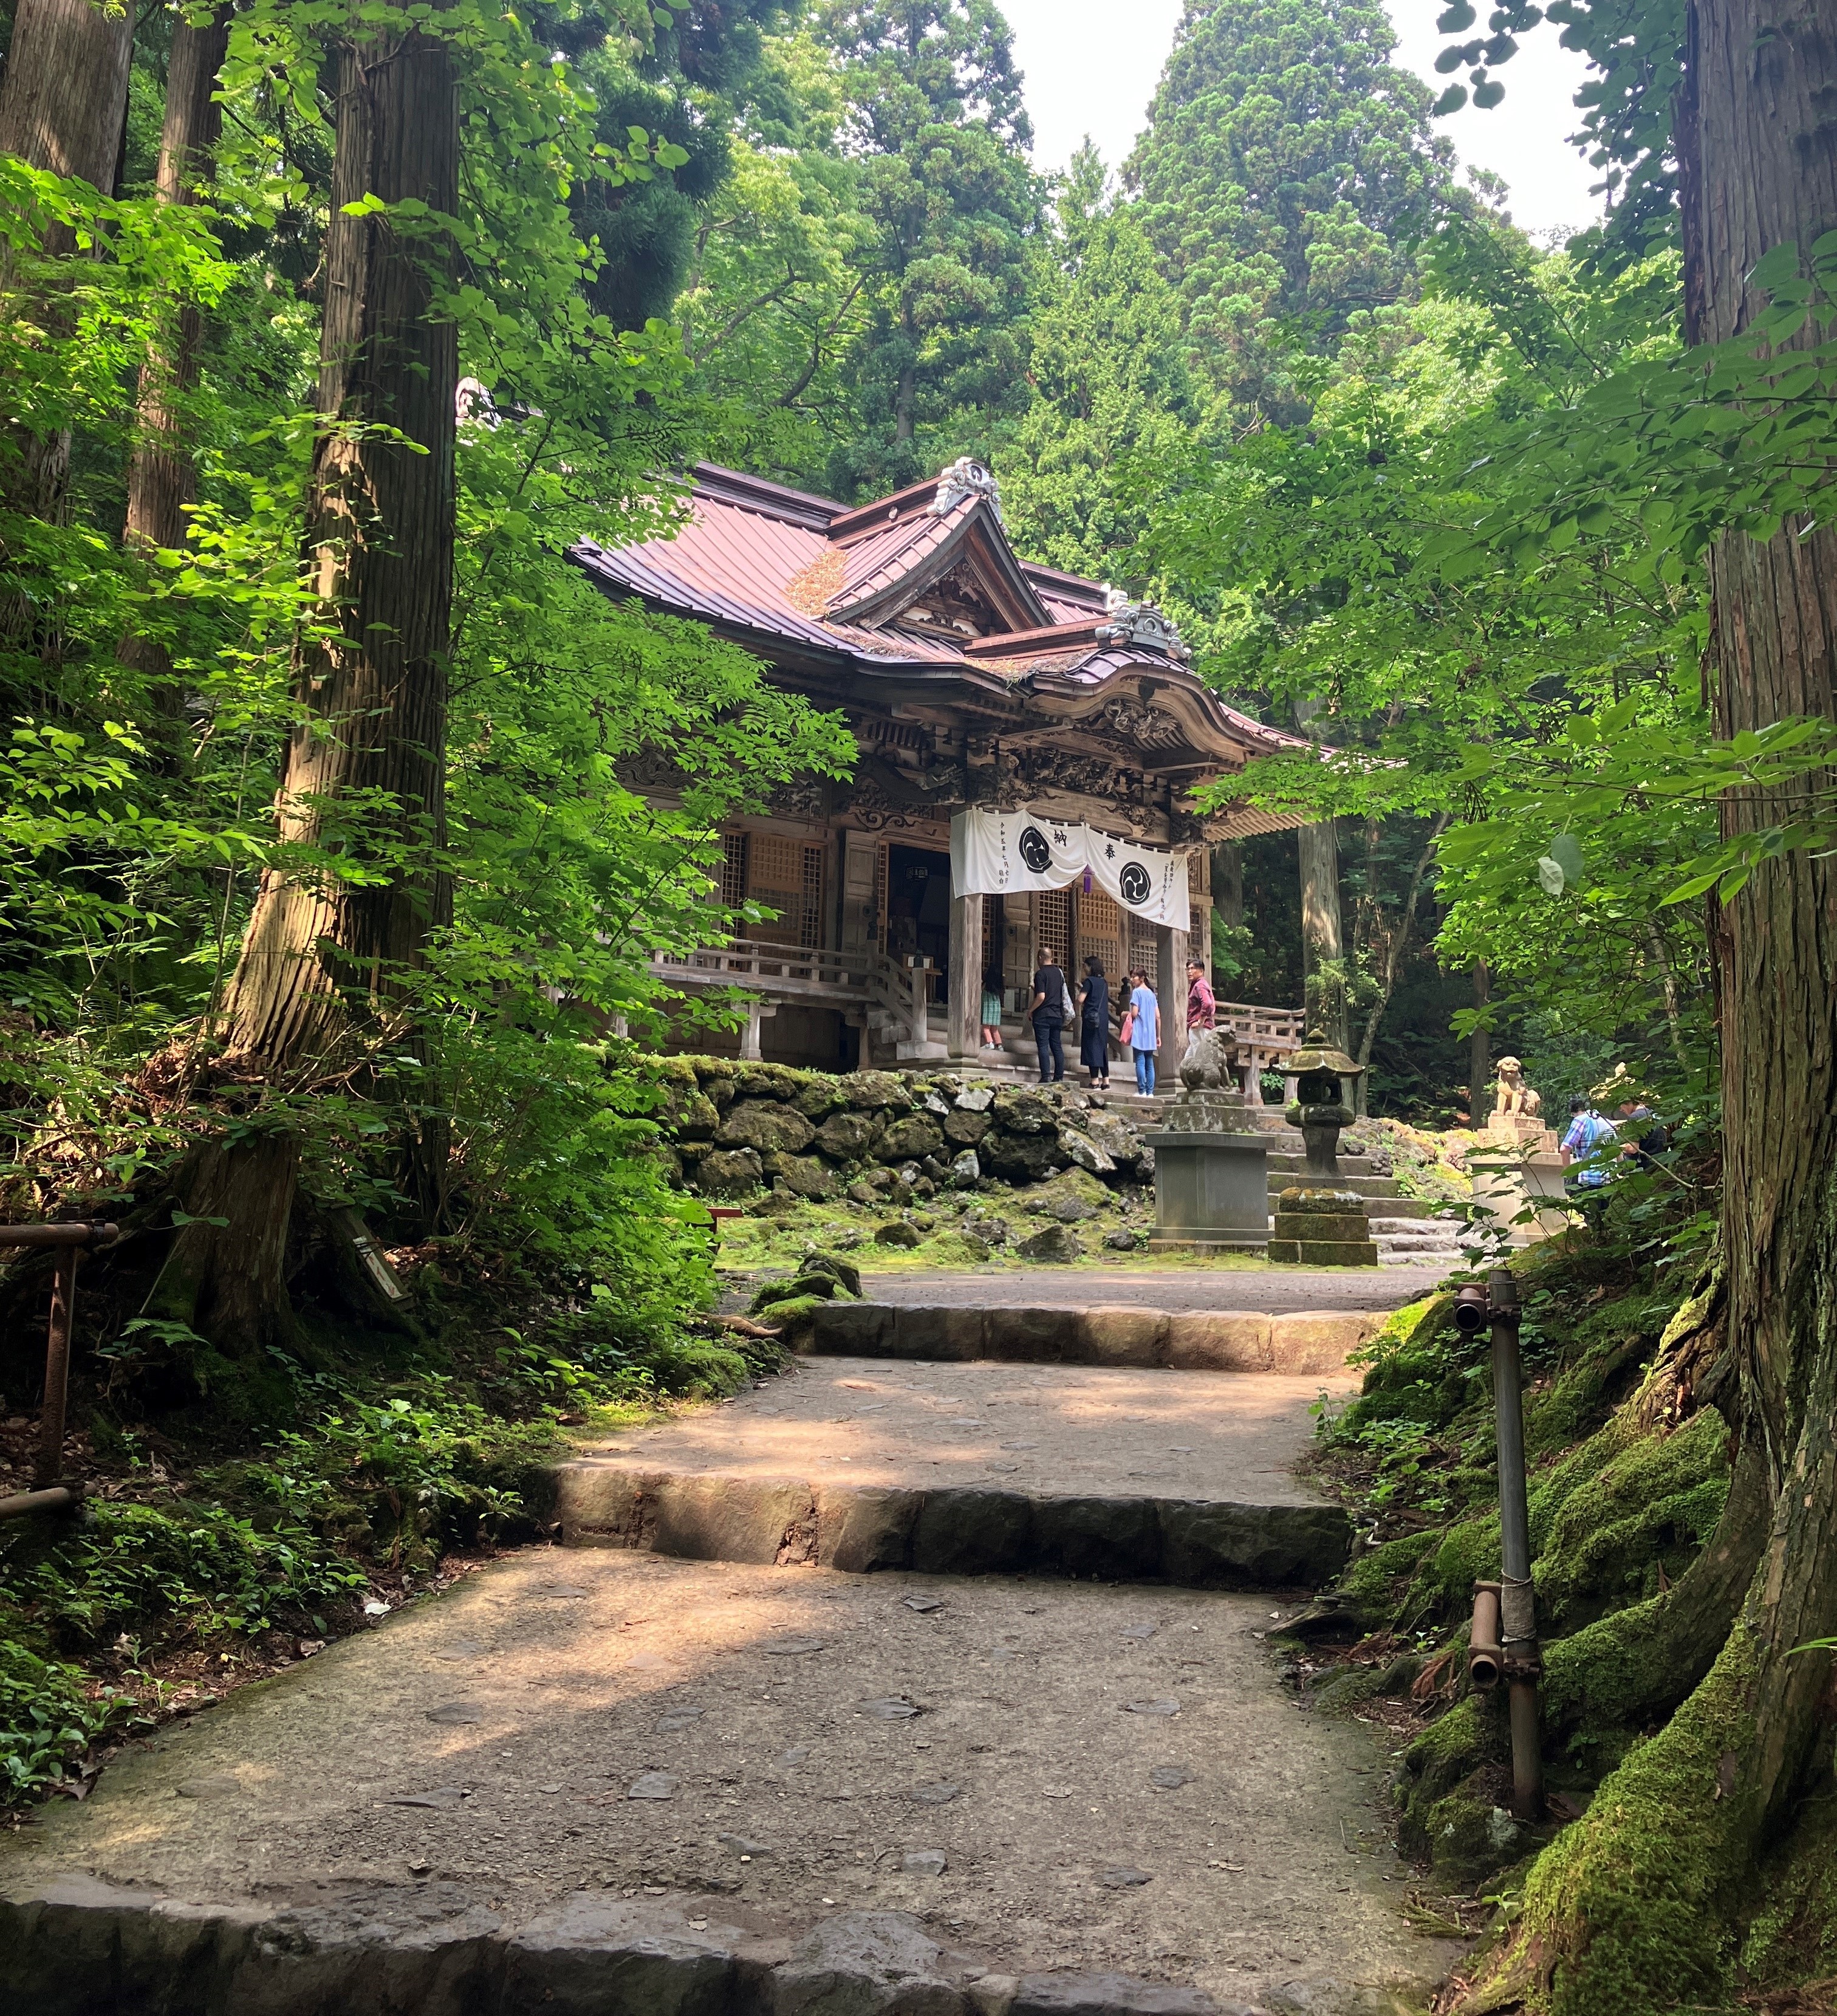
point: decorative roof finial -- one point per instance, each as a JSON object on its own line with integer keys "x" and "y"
{"x": 1140, "y": 623}
{"x": 965, "y": 478}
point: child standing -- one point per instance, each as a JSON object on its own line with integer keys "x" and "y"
{"x": 992, "y": 1010}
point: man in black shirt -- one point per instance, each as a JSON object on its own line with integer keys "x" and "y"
{"x": 1049, "y": 1018}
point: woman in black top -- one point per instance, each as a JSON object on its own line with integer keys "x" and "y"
{"x": 1094, "y": 1033}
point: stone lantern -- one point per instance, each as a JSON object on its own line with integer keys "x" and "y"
{"x": 1325, "y": 1093}
{"x": 1316, "y": 1226}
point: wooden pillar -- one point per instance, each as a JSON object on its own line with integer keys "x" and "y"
{"x": 1170, "y": 958}
{"x": 963, "y": 1032}
{"x": 757, "y": 1013}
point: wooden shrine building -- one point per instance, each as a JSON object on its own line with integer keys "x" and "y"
{"x": 973, "y": 681}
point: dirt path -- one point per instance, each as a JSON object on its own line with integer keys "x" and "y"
{"x": 1049, "y": 1777}
{"x": 706, "y": 1765}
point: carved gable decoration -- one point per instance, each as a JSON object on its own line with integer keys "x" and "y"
{"x": 1127, "y": 622}
{"x": 965, "y": 478}
{"x": 957, "y": 606}
{"x": 1143, "y": 727}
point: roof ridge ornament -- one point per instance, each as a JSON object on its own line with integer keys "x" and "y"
{"x": 965, "y": 478}
{"x": 1140, "y": 623}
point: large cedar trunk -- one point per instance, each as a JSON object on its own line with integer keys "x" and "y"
{"x": 1631, "y": 1911}
{"x": 65, "y": 93}
{"x": 63, "y": 106}
{"x": 1323, "y": 938}
{"x": 160, "y": 478}
{"x": 325, "y": 965}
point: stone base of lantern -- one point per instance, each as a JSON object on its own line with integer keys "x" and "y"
{"x": 1322, "y": 1228}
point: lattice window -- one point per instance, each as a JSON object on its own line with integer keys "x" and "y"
{"x": 1141, "y": 951}
{"x": 787, "y": 875}
{"x": 1052, "y": 923}
{"x": 1100, "y": 933}
{"x": 810, "y": 908}
{"x": 733, "y": 872}
{"x": 880, "y": 897}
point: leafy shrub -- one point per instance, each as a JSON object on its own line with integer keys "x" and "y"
{"x": 47, "y": 1722}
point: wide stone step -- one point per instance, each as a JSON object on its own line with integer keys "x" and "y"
{"x": 1298, "y": 1178}
{"x": 955, "y": 1468}
{"x": 616, "y": 1784}
{"x": 1117, "y": 1334}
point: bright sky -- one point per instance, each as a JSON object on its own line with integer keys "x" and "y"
{"x": 1091, "y": 67}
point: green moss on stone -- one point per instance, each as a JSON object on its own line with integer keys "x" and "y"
{"x": 1627, "y": 1911}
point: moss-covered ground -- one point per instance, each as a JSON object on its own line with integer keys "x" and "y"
{"x": 1626, "y": 1883}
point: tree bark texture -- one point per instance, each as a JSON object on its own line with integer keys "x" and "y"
{"x": 161, "y": 480}
{"x": 63, "y": 104}
{"x": 1632, "y": 1914}
{"x": 65, "y": 93}
{"x": 1227, "y": 882}
{"x": 1395, "y": 952}
{"x": 1323, "y": 938}
{"x": 321, "y": 976}
{"x": 323, "y": 958}
{"x": 1767, "y": 147}
{"x": 1480, "y": 1049}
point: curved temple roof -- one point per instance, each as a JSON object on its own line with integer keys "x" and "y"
{"x": 920, "y": 596}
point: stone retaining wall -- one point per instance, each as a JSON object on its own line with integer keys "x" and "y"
{"x": 881, "y": 1137}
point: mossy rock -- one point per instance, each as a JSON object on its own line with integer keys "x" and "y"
{"x": 1022, "y": 1111}
{"x": 729, "y": 1172}
{"x": 1470, "y": 1835}
{"x": 1469, "y": 1738}
{"x": 698, "y": 1369}
{"x": 808, "y": 1175}
{"x": 1018, "y": 1157}
{"x": 760, "y": 1124}
{"x": 1378, "y": 1577}
{"x": 1622, "y": 1513}
{"x": 694, "y": 1119}
{"x": 965, "y": 1129}
{"x": 909, "y": 1140}
{"x": 846, "y": 1275}
{"x": 764, "y": 1081}
{"x": 875, "y": 1092}
{"x": 958, "y": 1249}
{"x": 821, "y": 1095}
{"x": 899, "y": 1233}
{"x": 800, "y": 1287}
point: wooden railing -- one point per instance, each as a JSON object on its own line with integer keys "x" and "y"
{"x": 865, "y": 980}
{"x": 788, "y": 971}
{"x": 1274, "y": 1031}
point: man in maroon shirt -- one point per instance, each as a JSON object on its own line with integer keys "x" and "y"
{"x": 1201, "y": 1006}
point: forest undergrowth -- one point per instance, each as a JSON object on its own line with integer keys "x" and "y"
{"x": 1627, "y": 1373}
{"x": 227, "y": 1533}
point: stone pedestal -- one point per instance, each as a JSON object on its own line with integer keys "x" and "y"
{"x": 1322, "y": 1228}
{"x": 1211, "y": 1191}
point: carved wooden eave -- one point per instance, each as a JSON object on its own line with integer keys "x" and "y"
{"x": 915, "y": 613}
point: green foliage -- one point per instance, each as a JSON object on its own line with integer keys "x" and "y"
{"x": 933, "y": 121}
{"x": 1287, "y": 168}
{"x": 1110, "y": 384}
{"x": 47, "y": 1720}
{"x": 179, "y": 1571}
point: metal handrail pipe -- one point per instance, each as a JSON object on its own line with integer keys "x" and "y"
{"x": 1486, "y": 1658}
{"x": 75, "y": 1234}
{"x": 57, "y": 1498}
